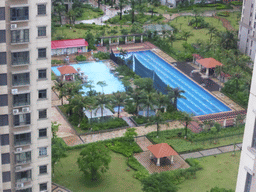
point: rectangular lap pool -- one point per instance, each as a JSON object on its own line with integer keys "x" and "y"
{"x": 97, "y": 71}
{"x": 198, "y": 102}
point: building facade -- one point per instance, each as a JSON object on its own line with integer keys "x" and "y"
{"x": 246, "y": 35}
{"x": 246, "y": 180}
{"x": 25, "y": 95}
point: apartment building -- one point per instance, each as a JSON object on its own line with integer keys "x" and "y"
{"x": 25, "y": 95}
{"x": 246, "y": 180}
{"x": 246, "y": 35}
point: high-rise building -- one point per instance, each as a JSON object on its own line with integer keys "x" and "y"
{"x": 246, "y": 180}
{"x": 25, "y": 95}
{"x": 247, "y": 36}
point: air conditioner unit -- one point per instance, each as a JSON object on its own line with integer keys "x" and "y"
{"x": 13, "y": 26}
{"x": 18, "y": 168}
{"x": 15, "y": 111}
{"x": 19, "y": 149}
{"x": 25, "y": 109}
{"x": 14, "y": 91}
{"x": 19, "y": 185}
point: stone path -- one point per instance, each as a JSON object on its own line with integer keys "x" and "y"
{"x": 225, "y": 23}
{"x": 129, "y": 122}
{"x": 143, "y": 142}
{"x": 214, "y": 151}
{"x": 58, "y": 188}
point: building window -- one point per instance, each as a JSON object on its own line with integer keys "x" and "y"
{"x": 23, "y": 176}
{"x": 24, "y": 157}
{"x": 41, "y": 31}
{"x": 248, "y": 183}
{"x": 41, "y": 9}
{"x": 20, "y": 79}
{"x": 22, "y": 119}
{"x": 20, "y": 58}
{"x": 42, "y": 114}
{"x": 254, "y": 136}
{"x": 3, "y": 99}
{"x": 42, "y": 53}
{"x": 4, "y": 139}
{"x": 5, "y": 158}
{"x": 19, "y": 13}
{"x": 42, "y": 133}
{"x": 2, "y": 13}
{"x": 251, "y": 42}
{"x": 6, "y": 176}
{"x": 250, "y": 51}
{"x": 20, "y": 36}
{"x": 43, "y": 169}
{"x": 43, "y": 186}
{"x": 3, "y": 58}
{"x": 2, "y": 36}
{"x": 42, "y": 151}
{"x": 42, "y": 94}
{"x": 21, "y": 99}
{"x": 22, "y": 139}
{"x": 42, "y": 74}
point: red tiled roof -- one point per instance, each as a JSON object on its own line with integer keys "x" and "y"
{"x": 162, "y": 150}
{"x": 67, "y": 69}
{"x": 59, "y": 44}
{"x": 209, "y": 62}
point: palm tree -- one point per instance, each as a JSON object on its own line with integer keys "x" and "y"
{"x": 136, "y": 95}
{"x": 119, "y": 99}
{"x": 121, "y": 5}
{"x": 59, "y": 87}
{"x": 161, "y": 100}
{"x": 102, "y": 102}
{"x": 186, "y": 35}
{"x": 132, "y": 3}
{"x": 158, "y": 120}
{"x": 91, "y": 105}
{"x": 72, "y": 89}
{"x": 172, "y": 38}
{"x": 177, "y": 95}
{"x": 148, "y": 101}
{"x": 102, "y": 84}
{"x": 59, "y": 8}
{"x": 170, "y": 95}
{"x": 186, "y": 118}
{"x": 212, "y": 30}
{"x": 76, "y": 105}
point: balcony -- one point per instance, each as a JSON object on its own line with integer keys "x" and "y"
{"x": 22, "y": 139}
{"x": 19, "y": 14}
{"x": 20, "y": 58}
{"x": 20, "y": 36}
{"x": 21, "y": 120}
{"x": 23, "y": 158}
{"x": 24, "y": 189}
{"x": 21, "y": 100}
{"x": 21, "y": 79}
{"x": 23, "y": 176}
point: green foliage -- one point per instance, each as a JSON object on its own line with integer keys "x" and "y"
{"x": 198, "y": 23}
{"x": 93, "y": 159}
{"x": 236, "y": 3}
{"x": 223, "y": 14}
{"x": 158, "y": 182}
{"x": 124, "y": 31}
{"x": 217, "y": 189}
{"x": 91, "y": 41}
{"x": 101, "y": 55}
{"x": 80, "y": 58}
{"x": 56, "y": 61}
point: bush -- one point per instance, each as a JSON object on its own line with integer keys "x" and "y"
{"x": 217, "y": 189}
{"x": 80, "y": 58}
{"x": 236, "y": 3}
{"x": 101, "y": 55}
{"x": 56, "y": 61}
{"x": 223, "y": 14}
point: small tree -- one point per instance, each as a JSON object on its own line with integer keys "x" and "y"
{"x": 102, "y": 84}
{"x": 93, "y": 159}
{"x": 159, "y": 182}
{"x": 186, "y": 118}
{"x": 130, "y": 134}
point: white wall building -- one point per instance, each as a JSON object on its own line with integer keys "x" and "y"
{"x": 25, "y": 95}
{"x": 246, "y": 180}
{"x": 247, "y": 36}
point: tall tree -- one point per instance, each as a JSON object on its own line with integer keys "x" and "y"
{"x": 177, "y": 95}
{"x": 121, "y": 6}
{"x": 102, "y": 102}
{"x": 148, "y": 101}
{"x": 119, "y": 99}
{"x": 59, "y": 87}
{"x": 186, "y": 118}
{"x": 102, "y": 84}
{"x": 212, "y": 30}
{"x": 93, "y": 159}
{"x": 186, "y": 35}
{"x": 132, "y": 3}
{"x": 136, "y": 96}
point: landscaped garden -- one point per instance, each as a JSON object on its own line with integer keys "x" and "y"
{"x": 89, "y": 12}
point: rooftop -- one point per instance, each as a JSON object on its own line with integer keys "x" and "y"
{"x": 60, "y": 44}
{"x": 162, "y": 150}
{"x": 158, "y": 28}
{"x": 67, "y": 69}
{"x": 209, "y": 62}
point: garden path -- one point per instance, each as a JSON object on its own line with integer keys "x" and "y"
{"x": 58, "y": 188}
{"x": 225, "y": 23}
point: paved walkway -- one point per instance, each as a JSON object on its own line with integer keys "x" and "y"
{"x": 58, "y": 188}
{"x": 143, "y": 142}
{"x": 129, "y": 122}
{"x": 214, "y": 151}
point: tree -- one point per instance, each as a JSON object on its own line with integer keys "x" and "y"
{"x": 72, "y": 89}
{"x": 132, "y": 3}
{"x": 91, "y": 41}
{"x": 186, "y": 118}
{"x": 129, "y": 134}
{"x": 158, "y": 120}
{"x": 186, "y": 35}
{"x": 72, "y": 16}
{"x": 177, "y": 95}
{"x": 136, "y": 96}
{"x": 59, "y": 87}
{"x": 93, "y": 159}
{"x": 161, "y": 100}
{"x": 148, "y": 101}
{"x": 102, "y": 102}
{"x": 59, "y": 8}
{"x": 145, "y": 84}
{"x": 121, "y": 5}
{"x": 102, "y": 84}
{"x": 172, "y": 38}
{"x": 212, "y": 30}
{"x": 58, "y": 146}
{"x": 119, "y": 99}
{"x": 196, "y": 13}
{"x": 157, "y": 182}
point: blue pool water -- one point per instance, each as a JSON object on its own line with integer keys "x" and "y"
{"x": 198, "y": 102}
{"x": 98, "y": 71}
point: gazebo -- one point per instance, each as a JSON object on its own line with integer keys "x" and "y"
{"x": 208, "y": 63}
{"x": 161, "y": 150}
{"x": 67, "y": 73}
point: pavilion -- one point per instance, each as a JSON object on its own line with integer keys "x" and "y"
{"x": 161, "y": 150}
{"x": 208, "y": 64}
{"x": 67, "y": 73}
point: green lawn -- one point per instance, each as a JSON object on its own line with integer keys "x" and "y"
{"x": 74, "y": 33}
{"x": 181, "y": 23}
{"x": 234, "y": 19}
{"x": 116, "y": 178}
{"x": 218, "y": 171}
{"x": 89, "y": 14}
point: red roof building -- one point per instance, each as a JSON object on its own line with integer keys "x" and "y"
{"x": 67, "y": 73}
{"x": 208, "y": 62}
{"x": 69, "y": 46}
{"x": 162, "y": 150}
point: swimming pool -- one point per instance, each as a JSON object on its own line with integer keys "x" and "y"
{"x": 98, "y": 71}
{"x": 198, "y": 102}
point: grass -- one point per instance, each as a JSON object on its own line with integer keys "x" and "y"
{"x": 89, "y": 14}
{"x": 232, "y": 18}
{"x": 181, "y": 23}
{"x": 218, "y": 171}
{"x": 116, "y": 178}
{"x": 74, "y": 33}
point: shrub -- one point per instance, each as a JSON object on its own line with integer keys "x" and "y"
{"x": 56, "y": 61}
{"x": 223, "y": 14}
{"x": 101, "y": 55}
{"x": 80, "y": 58}
{"x": 217, "y": 189}
{"x": 236, "y": 3}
